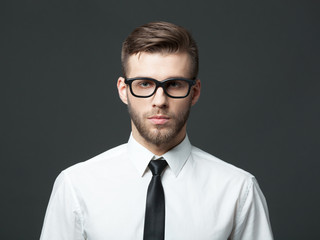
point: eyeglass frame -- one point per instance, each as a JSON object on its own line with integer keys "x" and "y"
{"x": 129, "y": 81}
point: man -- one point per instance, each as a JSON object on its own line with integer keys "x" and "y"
{"x": 120, "y": 195}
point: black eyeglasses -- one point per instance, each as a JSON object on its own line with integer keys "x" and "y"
{"x": 144, "y": 87}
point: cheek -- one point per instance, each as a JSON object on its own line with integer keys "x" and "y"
{"x": 137, "y": 104}
{"x": 181, "y": 106}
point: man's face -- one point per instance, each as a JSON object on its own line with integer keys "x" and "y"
{"x": 159, "y": 119}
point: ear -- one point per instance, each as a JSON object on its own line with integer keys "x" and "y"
{"x": 122, "y": 90}
{"x": 196, "y": 92}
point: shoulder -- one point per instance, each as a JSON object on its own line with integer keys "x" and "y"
{"x": 216, "y": 167}
{"x": 100, "y": 162}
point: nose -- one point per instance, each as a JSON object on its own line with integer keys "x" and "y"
{"x": 160, "y": 99}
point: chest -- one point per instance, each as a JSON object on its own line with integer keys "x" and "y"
{"x": 193, "y": 211}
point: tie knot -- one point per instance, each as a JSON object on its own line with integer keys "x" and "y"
{"x": 157, "y": 166}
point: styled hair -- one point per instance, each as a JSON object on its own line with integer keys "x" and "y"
{"x": 160, "y": 37}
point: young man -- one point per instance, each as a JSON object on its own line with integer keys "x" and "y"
{"x": 157, "y": 186}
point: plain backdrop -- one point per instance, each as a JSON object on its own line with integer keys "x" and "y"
{"x": 259, "y": 108}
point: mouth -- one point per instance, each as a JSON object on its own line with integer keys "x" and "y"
{"x": 159, "y": 119}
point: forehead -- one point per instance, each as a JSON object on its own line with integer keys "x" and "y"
{"x": 159, "y": 65}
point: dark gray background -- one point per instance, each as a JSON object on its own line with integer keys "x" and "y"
{"x": 259, "y": 108}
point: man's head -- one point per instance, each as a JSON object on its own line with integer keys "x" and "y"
{"x": 159, "y": 107}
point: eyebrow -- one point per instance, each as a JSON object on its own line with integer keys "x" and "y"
{"x": 163, "y": 79}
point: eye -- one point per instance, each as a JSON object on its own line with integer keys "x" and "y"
{"x": 143, "y": 84}
{"x": 175, "y": 84}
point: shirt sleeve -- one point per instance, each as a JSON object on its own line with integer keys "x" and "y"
{"x": 252, "y": 221}
{"x": 63, "y": 219}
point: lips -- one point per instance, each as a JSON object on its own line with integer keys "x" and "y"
{"x": 159, "y": 119}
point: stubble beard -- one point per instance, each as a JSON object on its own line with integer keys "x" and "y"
{"x": 159, "y": 135}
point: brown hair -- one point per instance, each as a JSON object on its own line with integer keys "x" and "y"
{"x": 160, "y": 37}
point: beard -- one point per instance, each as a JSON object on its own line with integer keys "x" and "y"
{"x": 159, "y": 134}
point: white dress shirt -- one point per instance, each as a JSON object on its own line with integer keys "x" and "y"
{"x": 206, "y": 199}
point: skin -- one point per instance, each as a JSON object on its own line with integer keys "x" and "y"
{"x": 158, "y": 122}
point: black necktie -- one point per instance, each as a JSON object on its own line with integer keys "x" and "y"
{"x": 155, "y": 207}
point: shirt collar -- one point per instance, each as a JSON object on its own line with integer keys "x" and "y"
{"x": 176, "y": 157}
